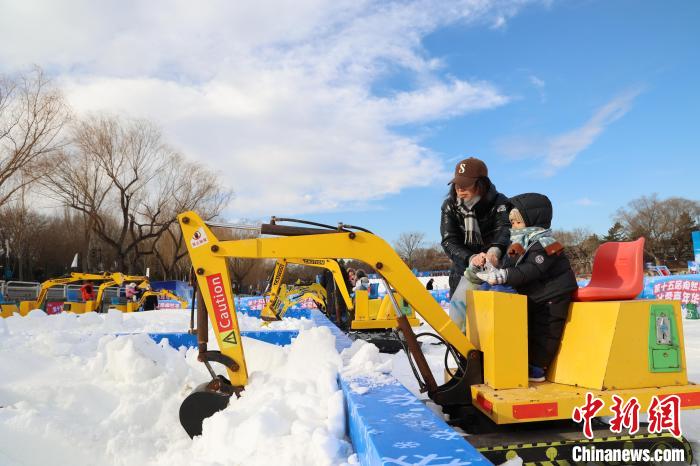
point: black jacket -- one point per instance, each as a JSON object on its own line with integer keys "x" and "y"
{"x": 492, "y": 217}
{"x": 538, "y": 273}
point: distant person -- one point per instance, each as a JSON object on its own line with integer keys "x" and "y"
{"x": 361, "y": 280}
{"x": 429, "y": 285}
{"x": 351, "y": 277}
{"x": 537, "y": 268}
{"x": 87, "y": 291}
{"x": 474, "y": 222}
{"x": 130, "y": 292}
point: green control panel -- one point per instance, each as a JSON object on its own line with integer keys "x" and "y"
{"x": 664, "y": 348}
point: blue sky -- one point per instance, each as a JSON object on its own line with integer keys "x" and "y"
{"x": 560, "y": 64}
{"x": 357, "y": 110}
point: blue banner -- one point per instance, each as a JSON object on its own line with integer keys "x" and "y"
{"x": 683, "y": 288}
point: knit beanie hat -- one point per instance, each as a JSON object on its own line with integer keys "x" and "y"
{"x": 515, "y": 216}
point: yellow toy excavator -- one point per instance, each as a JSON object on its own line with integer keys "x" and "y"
{"x": 371, "y": 319}
{"x": 147, "y": 299}
{"x": 75, "y": 277}
{"x": 274, "y": 309}
{"x": 287, "y": 296}
{"x": 614, "y": 348}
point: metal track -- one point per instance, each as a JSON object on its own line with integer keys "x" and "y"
{"x": 553, "y": 447}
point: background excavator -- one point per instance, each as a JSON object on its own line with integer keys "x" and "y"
{"x": 101, "y": 283}
{"x": 371, "y": 319}
{"x": 612, "y": 345}
{"x": 75, "y": 277}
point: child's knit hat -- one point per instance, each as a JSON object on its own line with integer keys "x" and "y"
{"x": 515, "y": 216}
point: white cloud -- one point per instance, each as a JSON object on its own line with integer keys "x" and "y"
{"x": 537, "y": 82}
{"x": 585, "y": 202}
{"x": 561, "y": 150}
{"x": 277, "y": 96}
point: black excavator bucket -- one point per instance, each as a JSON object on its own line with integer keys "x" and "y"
{"x": 207, "y": 399}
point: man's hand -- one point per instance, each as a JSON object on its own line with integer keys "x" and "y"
{"x": 492, "y": 258}
{"x": 494, "y": 277}
{"x": 478, "y": 260}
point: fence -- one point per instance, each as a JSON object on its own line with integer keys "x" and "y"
{"x": 20, "y": 291}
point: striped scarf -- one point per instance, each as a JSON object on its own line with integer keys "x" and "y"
{"x": 472, "y": 234}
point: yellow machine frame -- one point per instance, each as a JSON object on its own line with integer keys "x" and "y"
{"x": 208, "y": 255}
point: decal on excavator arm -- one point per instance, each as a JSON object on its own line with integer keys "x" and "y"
{"x": 222, "y": 309}
{"x": 199, "y": 238}
{"x": 230, "y": 338}
{"x": 314, "y": 261}
{"x": 278, "y": 276}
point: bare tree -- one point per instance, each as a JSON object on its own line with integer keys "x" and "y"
{"x": 32, "y": 115}
{"x": 407, "y": 245}
{"x": 431, "y": 258}
{"x": 666, "y": 225}
{"x": 129, "y": 185}
{"x": 580, "y": 245}
{"x": 198, "y": 190}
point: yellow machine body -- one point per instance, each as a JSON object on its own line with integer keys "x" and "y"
{"x": 372, "y": 314}
{"x": 7, "y": 310}
{"x": 605, "y": 350}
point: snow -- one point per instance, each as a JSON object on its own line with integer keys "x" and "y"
{"x": 86, "y": 396}
{"x": 365, "y": 367}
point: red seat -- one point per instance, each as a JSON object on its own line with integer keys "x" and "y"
{"x": 618, "y": 273}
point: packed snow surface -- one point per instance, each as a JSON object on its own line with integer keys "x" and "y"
{"x": 73, "y": 393}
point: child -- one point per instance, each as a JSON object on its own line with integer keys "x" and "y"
{"x": 536, "y": 267}
{"x": 361, "y": 280}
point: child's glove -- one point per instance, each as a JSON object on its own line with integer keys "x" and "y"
{"x": 494, "y": 276}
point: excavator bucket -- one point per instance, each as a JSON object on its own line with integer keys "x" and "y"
{"x": 206, "y": 400}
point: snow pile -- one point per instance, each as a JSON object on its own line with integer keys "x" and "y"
{"x": 365, "y": 367}
{"x": 294, "y": 411}
{"x": 71, "y": 395}
{"x": 114, "y": 321}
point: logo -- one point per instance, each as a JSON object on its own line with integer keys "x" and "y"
{"x": 461, "y": 167}
{"x": 539, "y": 259}
{"x": 501, "y": 208}
{"x": 278, "y": 275}
{"x": 314, "y": 261}
{"x": 664, "y": 413}
{"x": 199, "y": 238}
{"x": 222, "y": 308}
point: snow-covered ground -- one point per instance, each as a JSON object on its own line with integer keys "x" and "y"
{"x": 73, "y": 393}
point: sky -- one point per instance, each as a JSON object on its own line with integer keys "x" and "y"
{"x": 357, "y": 111}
